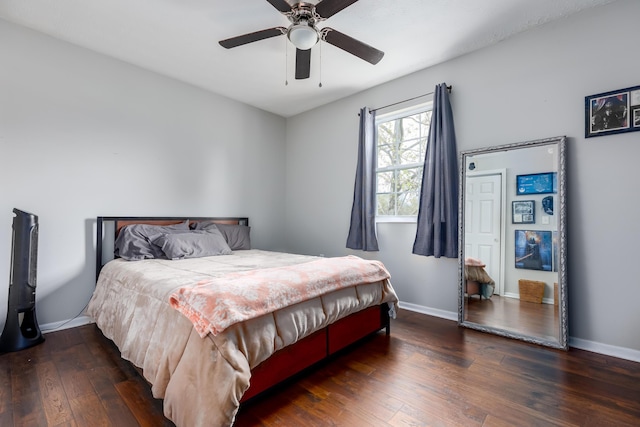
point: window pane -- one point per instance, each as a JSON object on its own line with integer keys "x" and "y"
{"x": 385, "y": 182}
{"x": 401, "y": 146}
{"x": 408, "y": 203}
{"x": 386, "y": 132}
{"x": 411, "y": 127}
{"x": 385, "y": 204}
{"x": 386, "y": 156}
{"x": 408, "y": 179}
{"x": 423, "y": 148}
{"x": 411, "y": 152}
{"x": 426, "y": 121}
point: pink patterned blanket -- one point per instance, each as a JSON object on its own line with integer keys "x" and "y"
{"x": 214, "y": 305}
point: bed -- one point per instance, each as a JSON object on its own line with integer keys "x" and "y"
{"x": 477, "y": 280}
{"x": 204, "y": 366}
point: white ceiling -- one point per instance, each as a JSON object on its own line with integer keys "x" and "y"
{"x": 179, "y": 39}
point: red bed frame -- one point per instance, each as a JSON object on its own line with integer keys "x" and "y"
{"x": 316, "y": 347}
{"x": 290, "y": 360}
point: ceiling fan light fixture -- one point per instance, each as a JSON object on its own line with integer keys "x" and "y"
{"x": 302, "y": 35}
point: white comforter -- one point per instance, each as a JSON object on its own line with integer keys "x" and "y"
{"x": 203, "y": 379}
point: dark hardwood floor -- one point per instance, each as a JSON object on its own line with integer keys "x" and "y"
{"x": 514, "y": 315}
{"x": 428, "y": 372}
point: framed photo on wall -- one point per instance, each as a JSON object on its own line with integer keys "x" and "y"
{"x": 612, "y": 112}
{"x": 534, "y": 250}
{"x": 523, "y": 212}
{"x": 536, "y": 183}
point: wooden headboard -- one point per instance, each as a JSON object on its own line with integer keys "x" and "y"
{"x": 121, "y": 221}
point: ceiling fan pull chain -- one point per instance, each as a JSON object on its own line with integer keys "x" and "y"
{"x": 320, "y": 61}
{"x": 286, "y": 63}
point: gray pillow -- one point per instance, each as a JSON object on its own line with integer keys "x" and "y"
{"x": 193, "y": 244}
{"x": 238, "y": 237}
{"x": 134, "y": 242}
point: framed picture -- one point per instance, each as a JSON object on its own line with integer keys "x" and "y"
{"x": 534, "y": 250}
{"x": 523, "y": 212}
{"x": 536, "y": 183}
{"x": 612, "y": 112}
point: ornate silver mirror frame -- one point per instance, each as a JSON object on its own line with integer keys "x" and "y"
{"x": 511, "y": 270}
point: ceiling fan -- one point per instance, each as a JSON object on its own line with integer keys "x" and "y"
{"x": 304, "y": 34}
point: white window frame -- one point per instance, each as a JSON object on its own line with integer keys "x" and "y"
{"x": 393, "y": 115}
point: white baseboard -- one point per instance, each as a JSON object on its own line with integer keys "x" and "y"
{"x": 595, "y": 347}
{"x": 66, "y": 324}
{"x": 449, "y": 315}
{"x": 607, "y": 349}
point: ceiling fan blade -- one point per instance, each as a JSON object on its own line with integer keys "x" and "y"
{"x": 281, "y": 5}
{"x": 303, "y": 64}
{"x": 351, "y": 45}
{"x": 252, "y": 37}
{"x": 327, "y": 8}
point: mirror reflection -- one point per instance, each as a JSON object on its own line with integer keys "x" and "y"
{"x": 512, "y": 232}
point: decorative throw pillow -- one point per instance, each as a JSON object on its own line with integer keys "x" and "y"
{"x": 238, "y": 237}
{"x": 193, "y": 244}
{"x": 134, "y": 242}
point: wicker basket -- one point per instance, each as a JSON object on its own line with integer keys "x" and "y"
{"x": 531, "y": 290}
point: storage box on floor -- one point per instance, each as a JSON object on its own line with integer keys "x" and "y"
{"x": 531, "y": 290}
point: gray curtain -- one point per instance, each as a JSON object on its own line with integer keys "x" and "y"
{"x": 362, "y": 231}
{"x": 437, "y": 231}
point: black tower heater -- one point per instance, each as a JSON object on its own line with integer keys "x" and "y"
{"x": 21, "y": 328}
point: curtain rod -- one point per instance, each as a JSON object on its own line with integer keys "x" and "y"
{"x": 410, "y": 99}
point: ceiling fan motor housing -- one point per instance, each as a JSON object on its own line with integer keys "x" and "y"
{"x": 302, "y": 31}
{"x": 304, "y": 11}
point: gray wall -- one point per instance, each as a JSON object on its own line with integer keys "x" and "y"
{"x": 83, "y": 135}
{"x": 529, "y": 87}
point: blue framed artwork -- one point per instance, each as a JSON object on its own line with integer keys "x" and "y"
{"x": 534, "y": 250}
{"x": 537, "y": 183}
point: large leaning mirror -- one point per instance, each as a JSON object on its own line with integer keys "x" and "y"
{"x": 513, "y": 272}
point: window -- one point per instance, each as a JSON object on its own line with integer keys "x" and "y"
{"x": 401, "y": 143}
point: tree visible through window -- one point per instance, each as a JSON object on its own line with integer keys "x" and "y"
{"x": 401, "y": 146}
